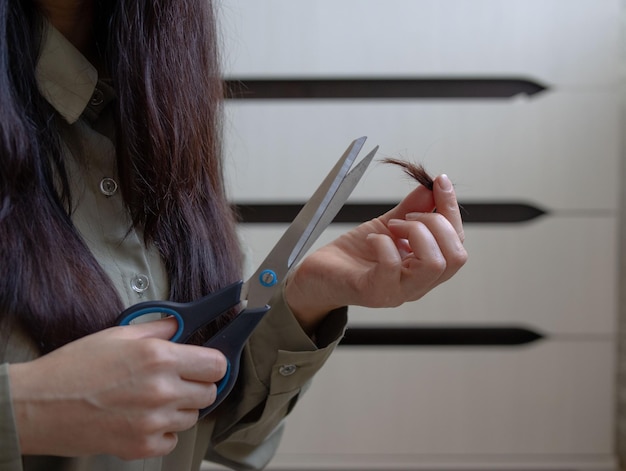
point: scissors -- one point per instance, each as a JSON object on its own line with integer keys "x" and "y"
{"x": 256, "y": 292}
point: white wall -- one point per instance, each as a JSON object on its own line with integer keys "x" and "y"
{"x": 545, "y": 405}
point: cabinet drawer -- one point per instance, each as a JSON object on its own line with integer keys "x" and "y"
{"x": 555, "y": 276}
{"x": 556, "y": 151}
{"x": 374, "y": 406}
{"x": 559, "y": 42}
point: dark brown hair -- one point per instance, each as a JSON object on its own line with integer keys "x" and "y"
{"x": 413, "y": 170}
{"x": 162, "y": 59}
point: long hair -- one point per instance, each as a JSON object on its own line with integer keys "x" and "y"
{"x": 162, "y": 58}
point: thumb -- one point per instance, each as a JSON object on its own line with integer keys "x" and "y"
{"x": 160, "y": 329}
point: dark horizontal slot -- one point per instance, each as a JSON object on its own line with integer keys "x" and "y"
{"x": 251, "y": 89}
{"x": 356, "y": 213}
{"x": 499, "y": 212}
{"x": 434, "y": 336}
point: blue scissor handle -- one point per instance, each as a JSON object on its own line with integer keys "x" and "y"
{"x": 131, "y": 316}
{"x": 191, "y": 317}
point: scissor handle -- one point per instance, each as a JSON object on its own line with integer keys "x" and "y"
{"x": 190, "y": 316}
{"x": 230, "y": 341}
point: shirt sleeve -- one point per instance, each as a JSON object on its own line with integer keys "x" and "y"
{"x": 10, "y": 455}
{"x": 277, "y": 366}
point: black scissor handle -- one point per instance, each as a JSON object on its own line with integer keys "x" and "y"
{"x": 230, "y": 340}
{"x": 190, "y": 316}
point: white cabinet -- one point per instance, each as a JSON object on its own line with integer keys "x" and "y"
{"x": 546, "y": 405}
{"x": 564, "y": 42}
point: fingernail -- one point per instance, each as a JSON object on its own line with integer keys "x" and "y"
{"x": 413, "y": 216}
{"x": 444, "y": 182}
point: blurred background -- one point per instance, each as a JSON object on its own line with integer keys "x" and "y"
{"x": 515, "y": 363}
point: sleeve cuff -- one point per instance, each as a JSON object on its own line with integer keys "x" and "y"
{"x": 277, "y": 365}
{"x": 280, "y": 341}
{"x": 10, "y": 454}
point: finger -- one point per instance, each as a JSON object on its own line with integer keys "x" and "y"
{"x": 163, "y": 445}
{"x": 446, "y": 238}
{"x": 169, "y": 441}
{"x": 183, "y": 419}
{"x": 183, "y": 394}
{"x": 195, "y": 395}
{"x": 160, "y": 329}
{"x": 160, "y": 444}
{"x": 386, "y": 276}
{"x": 424, "y": 246}
{"x": 422, "y": 241}
{"x": 164, "y": 423}
{"x": 197, "y": 363}
{"x": 387, "y": 256}
{"x": 426, "y": 264}
{"x": 419, "y": 200}
{"x": 447, "y": 204}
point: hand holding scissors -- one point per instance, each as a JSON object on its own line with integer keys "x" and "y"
{"x": 256, "y": 292}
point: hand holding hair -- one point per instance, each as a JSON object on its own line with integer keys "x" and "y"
{"x": 398, "y": 257}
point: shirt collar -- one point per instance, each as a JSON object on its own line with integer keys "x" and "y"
{"x": 66, "y": 79}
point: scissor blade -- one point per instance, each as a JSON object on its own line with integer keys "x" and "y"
{"x": 339, "y": 199}
{"x": 260, "y": 287}
{"x": 321, "y": 199}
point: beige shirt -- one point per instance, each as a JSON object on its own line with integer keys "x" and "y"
{"x": 231, "y": 435}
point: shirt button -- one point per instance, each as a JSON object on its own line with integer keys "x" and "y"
{"x": 108, "y": 186}
{"x": 139, "y": 283}
{"x": 97, "y": 98}
{"x": 287, "y": 370}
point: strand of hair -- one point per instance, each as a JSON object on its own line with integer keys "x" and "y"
{"x": 415, "y": 171}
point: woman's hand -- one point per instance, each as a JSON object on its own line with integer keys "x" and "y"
{"x": 124, "y": 391}
{"x": 397, "y": 257}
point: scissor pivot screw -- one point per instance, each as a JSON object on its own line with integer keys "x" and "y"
{"x": 268, "y": 278}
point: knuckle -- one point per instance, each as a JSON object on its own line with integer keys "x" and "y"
{"x": 433, "y": 219}
{"x": 458, "y": 258}
{"x": 439, "y": 217}
{"x": 157, "y": 355}
{"x": 155, "y": 445}
{"x": 149, "y": 448}
{"x": 203, "y": 397}
{"x": 452, "y": 206}
{"x": 190, "y": 420}
{"x": 461, "y": 235}
{"x": 146, "y": 425}
{"x": 394, "y": 302}
{"x": 146, "y": 348}
{"x": 211, "y": 395}
{"x": 219, "y": 365}
{"x": 436, "y": 265}
{"x": 141, "y": 447}
{"x": 162, "y": 391}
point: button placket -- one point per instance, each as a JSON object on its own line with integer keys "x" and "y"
{"x": 134, "y": 268}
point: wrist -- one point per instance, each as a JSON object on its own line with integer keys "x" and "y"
{"x": 39, "y": 413}
{"x": 307, "y": 299}
{"x": 22, "y": 410}
{"x": 11, "y": 451}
